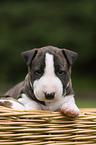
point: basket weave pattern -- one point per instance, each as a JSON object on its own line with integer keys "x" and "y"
{"x": 46, "y": 128}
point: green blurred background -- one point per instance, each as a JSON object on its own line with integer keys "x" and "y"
{"x": 35, "y": 23}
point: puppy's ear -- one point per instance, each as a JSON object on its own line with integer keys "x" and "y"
{"x": 28, "y": 56}
{"x": 70, "y": 56}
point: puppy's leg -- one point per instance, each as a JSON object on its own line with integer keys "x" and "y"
{"x": 69, "y": 108}
{"x": 28, "y": 103}
{"x": 11, "y": 103}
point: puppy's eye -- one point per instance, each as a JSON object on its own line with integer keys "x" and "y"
{"x": 38, "y": 72}
{"x": 61, "y": 72}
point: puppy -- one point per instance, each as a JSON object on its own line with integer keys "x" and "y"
{"x": 47, "y": 85}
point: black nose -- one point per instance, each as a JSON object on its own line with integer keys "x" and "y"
{"x": 49, "y": 95}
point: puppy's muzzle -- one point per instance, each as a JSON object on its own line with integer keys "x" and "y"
{"x": 49, "y": 95}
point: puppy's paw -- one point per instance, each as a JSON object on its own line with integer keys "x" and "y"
{"x": 11, "y": 103}
{"x": 70, "y": 109}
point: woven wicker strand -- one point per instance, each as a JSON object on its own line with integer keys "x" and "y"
{"x": 40, "y": 127}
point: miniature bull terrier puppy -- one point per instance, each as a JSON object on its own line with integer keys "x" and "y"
{"x": 47, "y": 85}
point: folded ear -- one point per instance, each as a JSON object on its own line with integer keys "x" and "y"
{"x": 28, "y": 56}
{"x": 70, "y": 56}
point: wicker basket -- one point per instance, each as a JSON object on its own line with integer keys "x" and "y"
{"x": 46, "y": 128}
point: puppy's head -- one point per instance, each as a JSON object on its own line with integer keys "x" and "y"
{"x": 50, "y": 71}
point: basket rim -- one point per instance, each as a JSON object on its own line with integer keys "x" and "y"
{"x": 9, "y": 110}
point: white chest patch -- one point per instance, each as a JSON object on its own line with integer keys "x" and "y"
{"x": 49, "y": 83}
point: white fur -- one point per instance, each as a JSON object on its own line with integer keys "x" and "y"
{"x": 57, "y": 105}
{"x": 49, "y": 82}
{"x": 65, "y": 104}
{"x": 29, "y": 103}
{"x": 15, "y": 105}
{"x": 51, "y": 106}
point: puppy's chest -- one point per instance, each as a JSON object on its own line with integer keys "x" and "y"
{"x": 52, "y": 106}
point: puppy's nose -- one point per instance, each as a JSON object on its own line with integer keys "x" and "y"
{"x": 49, "y": 95}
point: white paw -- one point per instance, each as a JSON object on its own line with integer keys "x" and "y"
{"x": 70, "y": 109}
{"x": 11, "y": 103}
{"x": 16, "y": 105}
